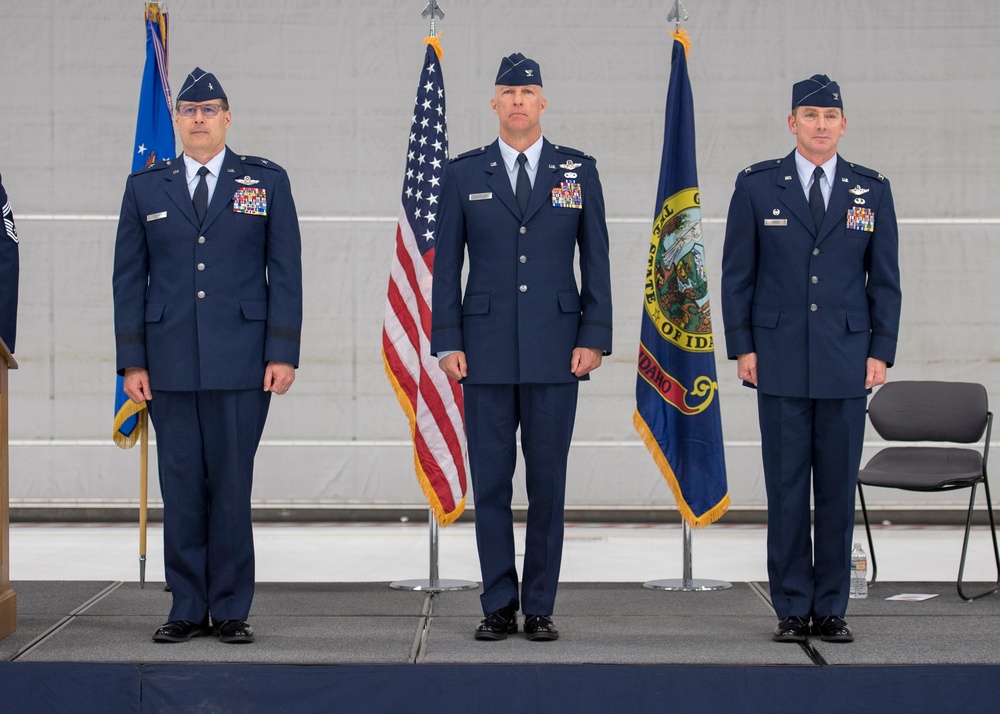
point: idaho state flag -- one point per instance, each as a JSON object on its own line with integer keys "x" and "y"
{"x": 154, "y": 141}
{"x": 677, "y": 402}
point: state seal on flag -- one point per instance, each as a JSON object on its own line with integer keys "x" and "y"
{"x": 676, "y": 292}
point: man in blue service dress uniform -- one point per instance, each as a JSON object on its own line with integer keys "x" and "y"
{"x": 523, "y": 335}
{"x": 208, "y": 309}
{"x": 9, "y": 269}
{"x": 811, "y": 299}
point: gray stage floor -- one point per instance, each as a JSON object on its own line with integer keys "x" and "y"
{"x": 609, "y": 623}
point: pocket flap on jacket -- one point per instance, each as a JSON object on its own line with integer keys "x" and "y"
{"x": 569, "y": 302}
{"x": 254, "y": 309}
{"x": 477, "y": 304}
{"x": 765, "y": 316}
{"x": 859, "y": 321}
{"x": 154, "y": 311}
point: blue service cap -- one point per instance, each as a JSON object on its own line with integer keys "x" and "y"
{"x": 200, "y": 86}
{"x": 817, "y": 91}
{"x": 517, "y": 71}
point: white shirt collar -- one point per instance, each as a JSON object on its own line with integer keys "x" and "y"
{"x": 805, "y": 168}
{"x": 214, "y": 165}
{"x": 509, "y": 155}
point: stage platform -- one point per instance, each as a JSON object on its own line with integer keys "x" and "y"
{"x": 359, "y": 647}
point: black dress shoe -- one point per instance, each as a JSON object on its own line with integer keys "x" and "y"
{"x": 539, "y": 628}
{"x": 179, "y": 631}
{"x": 235, "y": 632}
{"x": 791, "y": 629}
{"x": 832, "y": 629}
{"x": 498, "y": 624}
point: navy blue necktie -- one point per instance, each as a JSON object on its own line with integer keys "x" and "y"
{"x": 816, "y": 205}
{"x": 200, "y": 198}
{"x": 523, "y": 192}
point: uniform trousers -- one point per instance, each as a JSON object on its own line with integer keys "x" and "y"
{"x": 545, "y": 414}
{"x": 821, "y": 439}
{"x": 205, "y": 446}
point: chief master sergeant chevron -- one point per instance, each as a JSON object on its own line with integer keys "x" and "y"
{"x": 524, "y": 334}
{"x": 811, "y": 299}
{"x": 208, "y": 309}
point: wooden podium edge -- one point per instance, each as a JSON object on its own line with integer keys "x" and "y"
{"x": 8, "y": 598}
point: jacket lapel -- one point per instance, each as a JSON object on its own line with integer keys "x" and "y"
{"x": 225, "y": 187}
{"x": 177, "y": 189}
{"x": 793, "y": 195}
{"x": 498, "y": 180}
{"x": 840, "y": 198}
{"x": 545, "y": 179}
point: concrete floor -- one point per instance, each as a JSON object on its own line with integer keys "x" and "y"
{"x": 392, "y": 551}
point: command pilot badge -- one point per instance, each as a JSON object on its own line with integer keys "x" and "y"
{"x": 570, "y": 165}
{"x": 247, "y": 181}
{"x": 252, "y": 201}
{"x": 858, "y": 191}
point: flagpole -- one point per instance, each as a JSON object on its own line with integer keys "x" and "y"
{"x": 143, "y": 492}
{"x": 433, "y": 584}
{"x": 680, "y": 111}
{"x": 687, "y": 583}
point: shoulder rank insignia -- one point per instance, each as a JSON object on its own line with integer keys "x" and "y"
{"x": 247, "y": 181}
{"x": 570, "y": 165}
{"x": 858, "y": 191}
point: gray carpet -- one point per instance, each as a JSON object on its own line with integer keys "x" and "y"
{"x": 612, "y": 623}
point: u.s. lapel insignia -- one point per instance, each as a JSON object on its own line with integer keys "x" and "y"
{"x": 858, "y": 191}
{"x": 247, "y": 181}
{"x": 570, "y": 165}
{"x": 230, "y": 171}
{"x": 552, "y": 166}
{"x": 493, "y": 164}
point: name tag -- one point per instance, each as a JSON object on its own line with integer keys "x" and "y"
{"x": 156, "y": 216}
{"x": 775, "y": 221}
{"x": 480, "y": 196}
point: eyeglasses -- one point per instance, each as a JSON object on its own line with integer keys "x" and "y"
{"x": 207, "y": 110}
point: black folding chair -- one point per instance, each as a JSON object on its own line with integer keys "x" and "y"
{"x": 955, "y": 412}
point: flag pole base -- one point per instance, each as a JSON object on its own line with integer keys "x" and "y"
{"x": 142, "y": 572}
{"x": 434, "y": 586}
{"x": 687, "y": 585}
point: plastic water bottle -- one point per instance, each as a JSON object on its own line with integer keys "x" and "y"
{"x": 859, "y": 572}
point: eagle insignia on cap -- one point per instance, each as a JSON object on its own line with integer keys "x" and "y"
{"x": 247, "y": 181}
{"x": 858, "y": 191}
{"x": 570, "y": 165}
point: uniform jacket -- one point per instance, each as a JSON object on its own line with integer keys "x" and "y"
{"x": 9, "y": 266}
{"x": 522, "y": 313}
{"x": 206, "y": 307}
{"x": 812, "y": 305}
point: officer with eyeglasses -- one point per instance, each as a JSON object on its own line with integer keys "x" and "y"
{"x": 208, "y": 310}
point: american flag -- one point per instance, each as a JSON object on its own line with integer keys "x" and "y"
{"x": 431, "y": 401}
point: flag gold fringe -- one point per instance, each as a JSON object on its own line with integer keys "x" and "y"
{"x": 711, "y": 516}
{"x": 435, "y": 42}
{"x": 681, "y": 35}
{"x": 128, "y": 410}
{"x": 444, "y": 518}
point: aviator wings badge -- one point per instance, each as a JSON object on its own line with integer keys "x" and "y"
{"x": 858, "y": 191}
{"x": 247, "y": 181}
{"x": 570, "y": 165}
